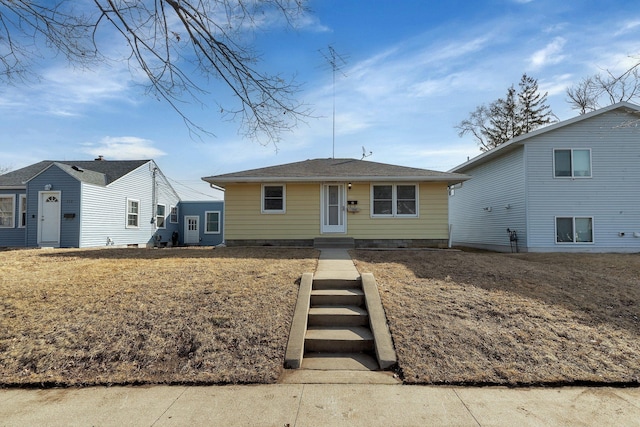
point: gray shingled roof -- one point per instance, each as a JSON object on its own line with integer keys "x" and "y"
{"x": 335, "y": 169}
{"x": 98, "y": 172}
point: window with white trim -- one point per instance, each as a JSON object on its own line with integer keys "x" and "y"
{"x": 572, "y": 163}
{"x": 7, "y": 211}
{"x": 133, "y": 213}
{"x": 394, "y": 200}
{"x": 273, "y": 198}
{"x": 173, "y": 215}
{"x": 22, "y": 221}
{"x": 212, "y": 222}
{"x": 574, "y": 229}
{"x": 161, "y": 211}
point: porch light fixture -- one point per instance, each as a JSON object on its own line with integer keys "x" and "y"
{"x": 48, "y": 187}
{"x": 349, "y": 185}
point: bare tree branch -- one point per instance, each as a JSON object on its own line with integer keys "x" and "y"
{"x": 476, "y": 125}
{"x": 169, "y": 41}
{"x": 604, "y": 89}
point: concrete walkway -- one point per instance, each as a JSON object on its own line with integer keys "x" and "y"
{"x": 335, "y": 264}
{"x": 320, "y": 405}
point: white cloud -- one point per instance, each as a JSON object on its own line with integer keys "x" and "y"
{"x": 68, "y": 92}
{"x": 64, "y": 91}
{"x": 311, "y": 23}
{"x": 557, "y": 85}
{"x": 123, "y": 148}
{"x": 550, "y": 54}
{"x": 628, "y": 27}
{"x": 458, "y": 49}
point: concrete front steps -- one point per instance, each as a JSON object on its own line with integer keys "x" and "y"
{"x": 338, "y": 336}
{"x": 333, "y": 329}
{"x": 334, "y": 243}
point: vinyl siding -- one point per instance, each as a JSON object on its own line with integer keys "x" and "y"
{"x": 431, "y": 222}
{"x": 244, "y": 219}
{"x": 198, "y": 208}
{"x": 70, "y": 200}
{"x": 493, "y": 185}
{"x": 14, "y": 236}
{"x": 610, "y": 196}
{"x": 104, "y": 210}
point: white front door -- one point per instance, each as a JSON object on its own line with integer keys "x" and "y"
{"x": 333, "y": 213}
{"x": 49, "y": 218}
{"x": 191, "y": 230}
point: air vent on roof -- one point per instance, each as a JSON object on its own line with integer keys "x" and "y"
{"x": 76, "y": 168}
{"x": 100, "y": 159}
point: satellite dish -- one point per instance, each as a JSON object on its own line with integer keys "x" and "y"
{"x": 364, "y": 153}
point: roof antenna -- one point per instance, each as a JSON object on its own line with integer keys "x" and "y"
{"x": 336, "y": 62}
{"x": 364, "y": 153}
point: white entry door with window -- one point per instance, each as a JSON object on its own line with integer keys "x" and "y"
{"x": 333, "y": 213}
{"x": 191, "y": 230}
{"x": 49, "y": 218}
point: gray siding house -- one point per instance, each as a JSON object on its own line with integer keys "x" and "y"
{"x": 568, "y": 187}
{"x": 201, "y": 222}
{"x": 87, "y": 204}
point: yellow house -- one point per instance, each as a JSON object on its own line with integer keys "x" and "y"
{"x": 375, "y": 204}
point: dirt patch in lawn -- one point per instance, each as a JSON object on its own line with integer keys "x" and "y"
{"x": 122, "y": 316}
{"x": 485, "y": 318}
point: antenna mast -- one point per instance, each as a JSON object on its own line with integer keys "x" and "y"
{"x": 336, "y": 62}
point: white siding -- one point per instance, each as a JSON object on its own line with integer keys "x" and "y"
{"x": 495, "y": 185}
{"x": 104, "y": 208}
{"x": 610, "y": 196}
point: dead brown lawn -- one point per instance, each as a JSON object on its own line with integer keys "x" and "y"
{"x": 485, "y": 318}
{"x": 122, "y": 316}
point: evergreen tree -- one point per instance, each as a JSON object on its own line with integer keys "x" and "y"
{"x": 534, "y": 112}
{"x": 503, "y": 119}
{"x": 518, "y": 113}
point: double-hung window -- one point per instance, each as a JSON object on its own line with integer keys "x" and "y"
{"x": 133, "y": 213}
{"x": 394, "y": 200}
{"x": 23, "y": 211}
{"x": 574, "y": 230}
{"x": 7, "y": 211}
{"x": 273, "y": 198}
{"x": 160, "y": 216}
{"x": 572, "y": 163}
{"x": 212, "y": 222}
{"x": 173, "y": 215}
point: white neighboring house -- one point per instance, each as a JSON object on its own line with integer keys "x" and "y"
{"x": 569, "y": 187}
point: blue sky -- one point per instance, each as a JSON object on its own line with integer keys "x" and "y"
{"x": 413, "y": 70}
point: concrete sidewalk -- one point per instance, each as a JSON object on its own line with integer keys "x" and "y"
{"x": 320, "y": 405}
